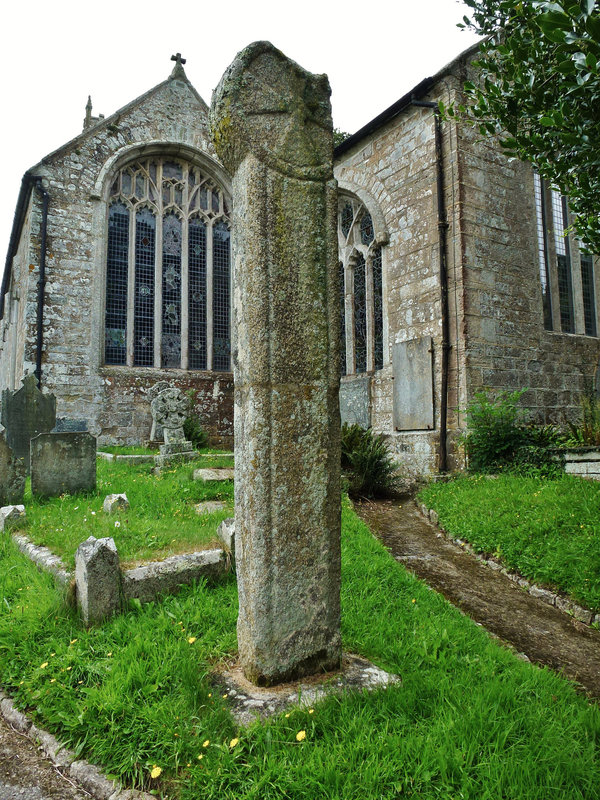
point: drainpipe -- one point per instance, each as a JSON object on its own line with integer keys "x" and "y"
{"x": 442, "y": 240}
{"x": 41, "y": 282}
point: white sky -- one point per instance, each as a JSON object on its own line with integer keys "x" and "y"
{"x": 53, "y": 53}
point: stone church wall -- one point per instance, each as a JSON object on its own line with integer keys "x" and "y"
{"x": 111, "y": 399}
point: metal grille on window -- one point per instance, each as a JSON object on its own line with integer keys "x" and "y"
{"x": 342, "y": 320}
{"x": 197, "y": 294}
{"x": 377, "y": 307}
{"x": 542, "y": 229}
{"x": 171, "y": 292}
{"x": 143, "y": 325}
{"x": 169, "y": 198}
{"x": 563, "y": 258}
{"x": 360, "y": 315}
{"x": 115, "y": 325}
{"x": 587, "y": 287}
{"x": 221, "y": 338}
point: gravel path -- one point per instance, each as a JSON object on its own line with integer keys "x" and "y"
{"x": 25, "y": 774}
{"x": 544, "y": 633}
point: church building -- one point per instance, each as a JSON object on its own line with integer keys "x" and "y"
{"x": 455, "y": 269}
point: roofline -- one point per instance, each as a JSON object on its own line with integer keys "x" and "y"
{"x": 396, "y": 108}
{"x": 27, "y": 184}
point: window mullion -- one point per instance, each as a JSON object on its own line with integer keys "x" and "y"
{"x": 158, "y": 271}
{"x": 209, "y": 295}
{"x": 130, "y": 287}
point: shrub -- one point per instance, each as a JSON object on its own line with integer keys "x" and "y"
{"x": 588, "y": 432}
{"x": 367, "y": 456}
{"x": 496, "y": 430}
{"x": 194, "y": 432}
{"x": 499, "y": 438}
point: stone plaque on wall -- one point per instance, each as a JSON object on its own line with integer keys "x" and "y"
{"x": 413, "y": 385}
{"x": 355, "y": 400}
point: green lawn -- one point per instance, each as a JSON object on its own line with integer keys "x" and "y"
{"x": 548, "y": 530}
{"x": 161, "y": 519}
{"x": 468, "y": 721}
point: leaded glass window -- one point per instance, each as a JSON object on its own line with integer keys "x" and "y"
{"x": 361, "y": 278}
{"x": 563, "y": 258}
{"x": 168, "y": 258}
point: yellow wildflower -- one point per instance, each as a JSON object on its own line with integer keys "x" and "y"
{"x": 301, "y": 736}
{"x": 191, "y": 640}
{"x": 155, "y": 771}
{"x": 286, "y": 716}
{"x": 44, "y": 665}
{"x": 201, "y": 756}
{"x": 205, "y": 743}
{"x": 233, "y": 742}
{"x": 311, "y": 711}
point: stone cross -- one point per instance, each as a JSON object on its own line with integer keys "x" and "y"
{"x": 178, "y": 59}
{"x": 156, "y": 432}
{"x": 169, "y": 409}
{"x": 272, "y": 129}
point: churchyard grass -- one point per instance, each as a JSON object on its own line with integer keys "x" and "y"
{"x": 547, "y": 530}
{"x": 161, "y": 520}
{"x": 469, "y": 719}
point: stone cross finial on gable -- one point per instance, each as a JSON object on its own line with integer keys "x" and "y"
{"x": 178, "y": 71}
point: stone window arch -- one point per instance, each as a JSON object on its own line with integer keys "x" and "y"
{"x": 167, "y": 297}
{"x": 361, "y": 280}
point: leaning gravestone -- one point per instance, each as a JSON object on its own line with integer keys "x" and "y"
{"x": 26, "y": 413}
{"x": 169, "y": 410}
{"x": 63, "y": 463}
{"x": 12, "y": 475}
{"x": 272, "y": 130}
{"x": 97, "y": 579}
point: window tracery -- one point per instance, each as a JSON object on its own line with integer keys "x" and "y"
{"x": 168, "y": 268}
{"x": 361, "y": 279}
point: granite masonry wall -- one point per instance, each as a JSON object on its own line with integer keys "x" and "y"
{"x": 170, "y": 119}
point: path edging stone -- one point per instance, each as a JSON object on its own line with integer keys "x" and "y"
{"x": 549, "y": 597}
{"x": 88, "y": 776}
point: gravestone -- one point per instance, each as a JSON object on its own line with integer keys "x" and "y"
{"x": 97, "y": 579}
{"x": 273, "y": 132}
{"x": 12, "y": 475}
{"x": 169, "y": 410}
{"x": 63, "y": 463}
{"x": 26, "y": 413}
{"x": 156, "y": 432}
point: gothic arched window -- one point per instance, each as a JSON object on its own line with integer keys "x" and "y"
{"x": 362, "y": 290}
{"x": 168, "y": 268}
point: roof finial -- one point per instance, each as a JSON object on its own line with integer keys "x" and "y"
{"x": 88, "y": 113}
{"x": 178, "y": 71}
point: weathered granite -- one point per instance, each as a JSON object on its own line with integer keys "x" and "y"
{"x": 63, "y": 463}
{"x": 25, "y": 414}
{"x": 12, "y": 474}
{"x": 115, "y": 502}
{"x": 98, "y": 579}
{"x": 272, "y": 129}
{"x": 208, "y": 475}
{"x": 44, "y": 558}
{"x": 210, "y": 506}
{"x": 156, "y": 432}
{"x": 226, "y": 533}
{"x": 9, "y": 515}
{"x": 145, "y": 582}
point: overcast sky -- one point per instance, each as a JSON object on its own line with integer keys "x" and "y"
{"x": 53, "y": 53}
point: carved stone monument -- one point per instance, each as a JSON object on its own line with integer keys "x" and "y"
{"x": 169, "y": 410}
{"x": 156, "y": 432}
{"x": 272, "y": 129}
{"x": 26, "y": 413}
{"x": 12, "y": 475}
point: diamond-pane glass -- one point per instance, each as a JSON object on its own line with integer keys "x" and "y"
{"x": 360, "y": 316}
{"x": 115, "y": 325}
{"x": 197, "y": 295}
{"x": 346, "y": 217}
{"x": 377, "y": 307}
{"x": 563, "y": 258}
{"x": 342, "y": 321}
{"x": 221, "y": 335}
{"x": 367, "y": 234}
{"x": 143, "y": 327}
{"x": 171, "y": 292}
{"x": 587, "y": 287}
